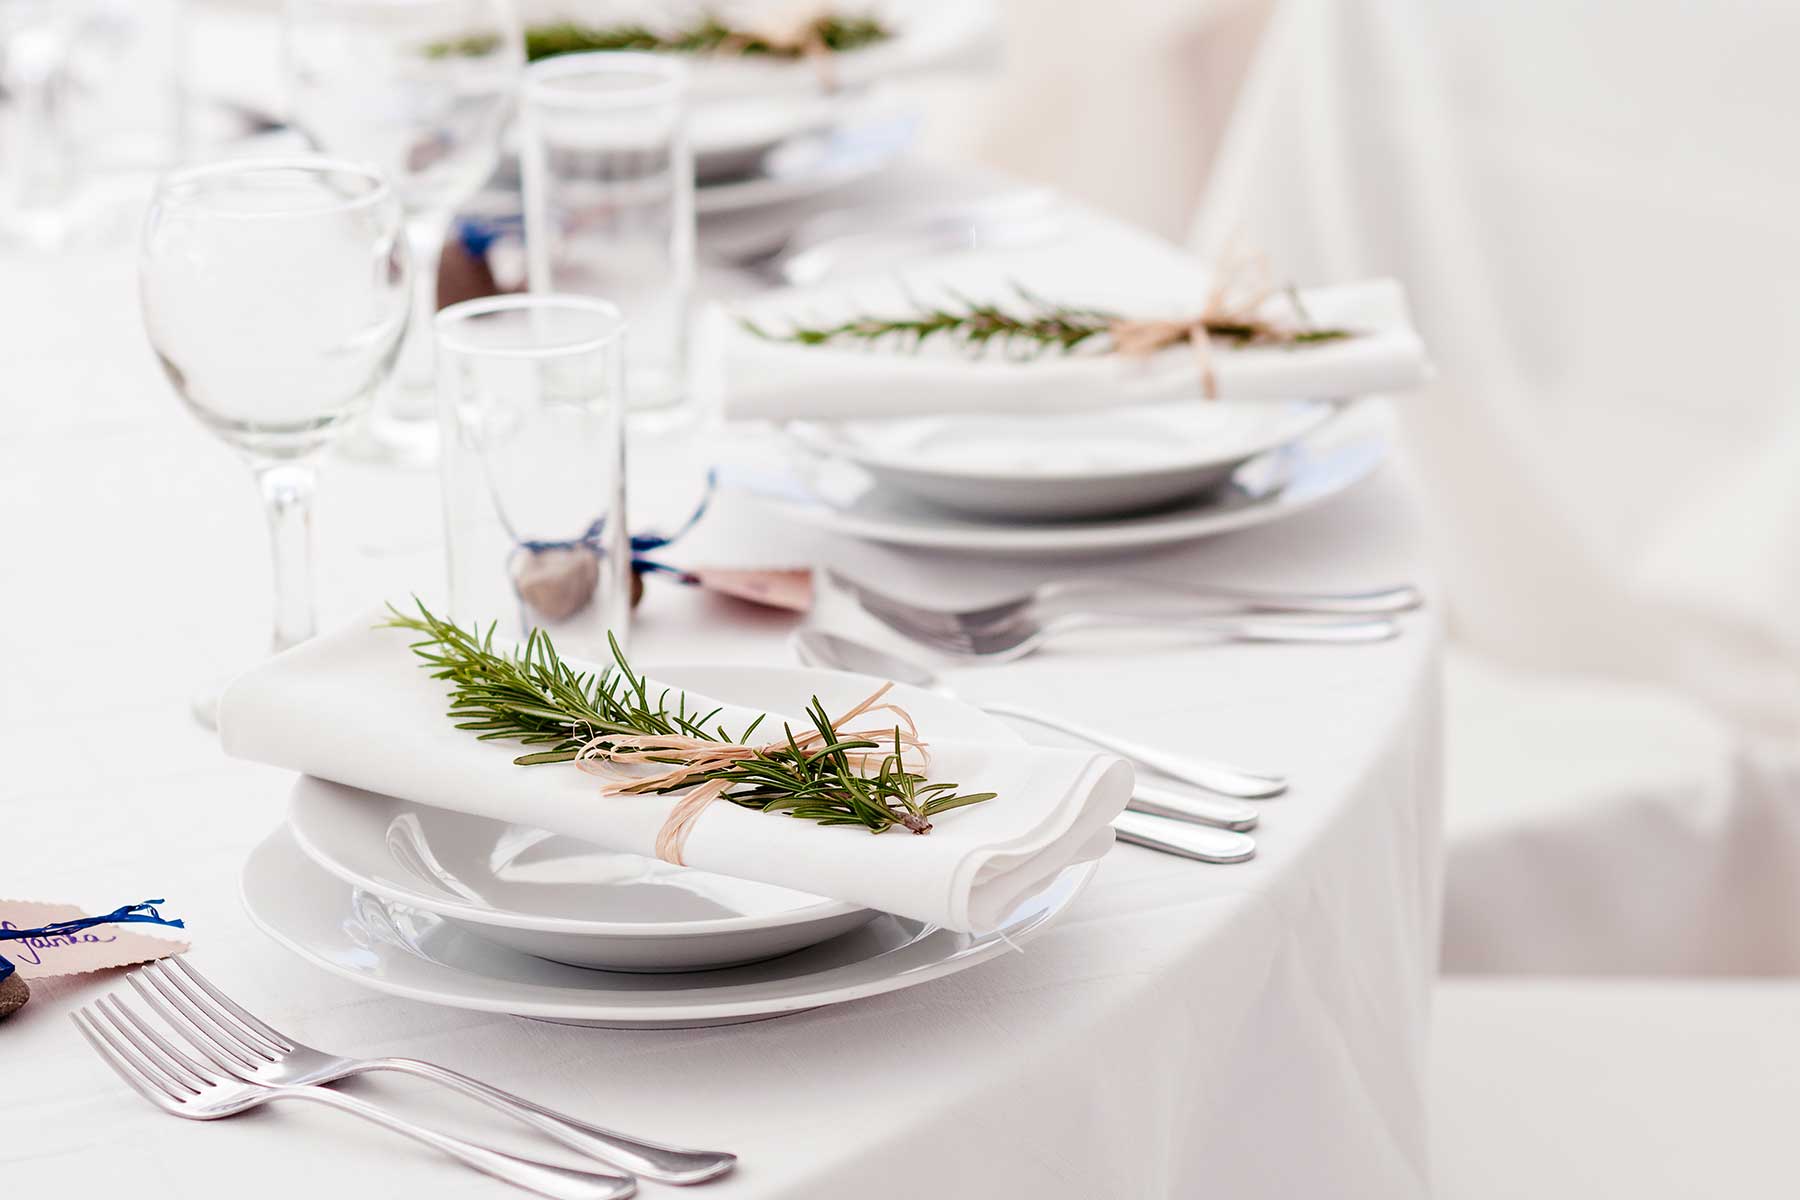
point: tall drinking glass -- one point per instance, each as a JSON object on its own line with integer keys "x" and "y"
{"x": 275, "y": 292}
{"x": 36, "y": 152}
{"x": 532, "y": 400}
{"x": 421, "y": 90}
{"x": 609, "y": 203}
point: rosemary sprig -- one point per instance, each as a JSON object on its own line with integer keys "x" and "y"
{"x": 708, "y": 35}
{"x": 1033, "y": 326}
{"x": 533, "y": 697}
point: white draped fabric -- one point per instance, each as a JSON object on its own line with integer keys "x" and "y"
{"x": 1246, "y": 1031}
{"x": 1591, "y": 206}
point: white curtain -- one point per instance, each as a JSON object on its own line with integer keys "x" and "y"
{"x": 1595, "y": 207}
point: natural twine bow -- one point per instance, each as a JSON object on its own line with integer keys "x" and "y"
{"x": 1242, "y": 287}
{"x": 801, "y": 34}
{"x": 689, "y": 758}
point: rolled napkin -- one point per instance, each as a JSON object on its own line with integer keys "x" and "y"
{"x": 767, "y": 379}
{"x": 355, "y": 707}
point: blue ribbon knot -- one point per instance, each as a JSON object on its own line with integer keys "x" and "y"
{"x": 144, "y": 912}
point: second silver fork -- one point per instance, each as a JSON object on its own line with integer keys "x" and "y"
{"x": 237, "y": 1041}
{"x": 197, "y": 1091}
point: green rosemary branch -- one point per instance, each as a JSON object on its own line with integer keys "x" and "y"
{"x": 708, "y": 35}
{"x": 1030, "y": 327}
{"x": 535, "y": 698}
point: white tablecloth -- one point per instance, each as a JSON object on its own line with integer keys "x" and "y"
{"x": 1187, "y": 1030}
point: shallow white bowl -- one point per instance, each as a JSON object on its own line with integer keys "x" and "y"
{"x": 844, "y": 499}
{"x": 1062, "y": 466}
{"x": 554, "y": 896}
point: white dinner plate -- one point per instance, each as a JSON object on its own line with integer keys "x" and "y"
{"x": 564, "y": 899}
{"x": 843, "y": 498}
{"x": 1065, "y": 465}
{"x": 420, "y": 956}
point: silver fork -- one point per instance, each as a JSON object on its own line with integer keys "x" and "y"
{"x": 239, "y": 1043}
{"x": 1004, "y": 643}
{"x": 178, "y": 1084}
{"x": 1193, "y": 599}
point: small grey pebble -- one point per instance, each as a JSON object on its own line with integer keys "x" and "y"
{"x": 13, "y": 995}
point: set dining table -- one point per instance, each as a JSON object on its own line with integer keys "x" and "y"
{"x": 1243, "y": 1030}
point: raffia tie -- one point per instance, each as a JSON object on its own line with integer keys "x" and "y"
{"x": 685, "y": 758}
{"x": 1241, "y": 288}
{"x": 801, "y": 35}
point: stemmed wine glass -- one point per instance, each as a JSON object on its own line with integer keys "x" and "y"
{"x": 420, "y": 90}
{"x": 275, "y": 293}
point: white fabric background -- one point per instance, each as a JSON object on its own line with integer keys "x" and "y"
{"x": 1592, "y": 210}
{"x": 1248, "y": 1031}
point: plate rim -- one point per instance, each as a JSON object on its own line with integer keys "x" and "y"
{"x": 816, "y": 435}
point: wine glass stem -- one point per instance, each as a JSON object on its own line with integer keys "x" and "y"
{"x": 287, "y": 489}
{"x": 425, "y": 233}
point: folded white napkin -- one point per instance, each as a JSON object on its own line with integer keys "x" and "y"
{"x": 355, "y": 707}
{"x": 765, "y": 380}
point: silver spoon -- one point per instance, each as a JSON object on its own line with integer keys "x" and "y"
{"x": 819, "y": 648}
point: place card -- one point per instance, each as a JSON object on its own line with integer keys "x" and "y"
{"x": 78, "y": 952}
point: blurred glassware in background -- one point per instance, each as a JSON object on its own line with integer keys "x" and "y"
{"x": 275, "y": 292}
{"x": 609, "y": 206}
{"x": 91, "y": 110}
{"x": 421, "y": 90}
{"x": 533, "y": 467}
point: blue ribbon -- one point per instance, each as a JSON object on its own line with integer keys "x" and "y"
{"x": 641, "y": 543}
{"x": 143, "y": 912}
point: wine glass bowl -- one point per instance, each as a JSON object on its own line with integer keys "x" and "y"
{"x": 418, "y": 89}
{"x": 274, "y": 293}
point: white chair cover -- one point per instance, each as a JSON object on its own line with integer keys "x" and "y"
{"x": 1592, "y": 207}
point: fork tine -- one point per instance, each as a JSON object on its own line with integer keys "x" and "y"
{"x": 167, "y": 1058}
{"x": 277, "y": 1039}
{"x": 199, "y": 1005}
{"x": 156, "y": 1093}
{"x": 190, "y": 1033}
{"x": 149, "y": 1082}
{"x": 195, "y": 1027}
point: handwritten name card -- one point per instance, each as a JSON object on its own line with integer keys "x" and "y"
{"x": 74, "y": 953}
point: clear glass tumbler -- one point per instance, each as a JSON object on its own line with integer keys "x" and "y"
{"x": 532, "y": 399}
{"x": 421, "y": 90}
{"x": 37, "y": 153}
{"x": 275, "y": 292}
{"x": 609, "y": 204}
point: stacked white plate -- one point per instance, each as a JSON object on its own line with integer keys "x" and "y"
{"x": 1081, "y": 481}
{"x": 474, "y": 913}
